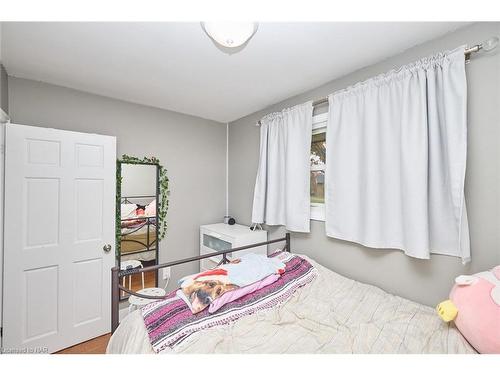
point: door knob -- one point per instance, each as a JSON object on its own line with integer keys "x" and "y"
{"x": 107, "y": 248}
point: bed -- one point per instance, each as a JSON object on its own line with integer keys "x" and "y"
{"x": 331, "y": 314}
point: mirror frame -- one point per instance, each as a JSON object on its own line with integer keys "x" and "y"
{"x": 161, "y": 183}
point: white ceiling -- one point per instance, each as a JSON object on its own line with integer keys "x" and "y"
{"x": 177, "y": 67}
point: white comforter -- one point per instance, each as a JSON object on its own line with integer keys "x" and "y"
{"x": 332, "y": 314}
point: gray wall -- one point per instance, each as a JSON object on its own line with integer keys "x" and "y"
{"x": 4, "y": 102}
{"x": 425, "y": 281}
{"x": 138, "y": 180}
{"x": 4, "y": 97}
{"x": 192, "y": 149}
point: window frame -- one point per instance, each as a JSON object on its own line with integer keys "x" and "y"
{"x": 319, "y": 126}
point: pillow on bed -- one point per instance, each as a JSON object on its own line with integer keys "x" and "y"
{"x": 151, "y": 209}
{"x": 235, "y": 294}
{"x": 202, "y": 289}
{"x": 127, "y": 210}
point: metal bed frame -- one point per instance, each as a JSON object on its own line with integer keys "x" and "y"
{"x": 116, "y": 274}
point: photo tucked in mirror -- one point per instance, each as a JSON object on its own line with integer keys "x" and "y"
{"x": 139, "y": 219}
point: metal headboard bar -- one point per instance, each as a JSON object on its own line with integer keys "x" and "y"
{"x": 148, "y": 218}
{"x": 127, "y": 199}
{"x": 116, "y": 273}
{"x": 200, "y": 257}
{"x": 139, "y": 196}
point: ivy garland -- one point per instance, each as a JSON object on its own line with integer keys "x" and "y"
{"x": 163, "y": 194}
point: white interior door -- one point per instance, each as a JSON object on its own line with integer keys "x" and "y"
{"x": 59, "y": 214}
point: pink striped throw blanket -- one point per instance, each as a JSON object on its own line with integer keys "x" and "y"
{"x": 170, "y": 321}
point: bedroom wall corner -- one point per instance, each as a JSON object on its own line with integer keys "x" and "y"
{"x": 424, "y": 281}
{"x": 4, "y": 105}
{"x": 4, "y": 88}
{"x": 4, "y": 97}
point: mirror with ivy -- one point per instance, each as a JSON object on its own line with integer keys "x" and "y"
{"x": 141, "y": 209}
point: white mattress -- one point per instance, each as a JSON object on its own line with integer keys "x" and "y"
{"x": 333, "y": 314}
{"x": 141, "y": 230}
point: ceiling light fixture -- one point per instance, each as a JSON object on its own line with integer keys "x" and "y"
{"x": 230, "y": 34}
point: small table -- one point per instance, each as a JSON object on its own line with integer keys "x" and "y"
{"x": 130, "y": 264}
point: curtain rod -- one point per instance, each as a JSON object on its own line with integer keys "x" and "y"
{"x": 487, "y": 45}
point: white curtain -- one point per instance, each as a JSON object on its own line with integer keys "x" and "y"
{"x": 281, "y": 195}
{"x": 396, "y": 154}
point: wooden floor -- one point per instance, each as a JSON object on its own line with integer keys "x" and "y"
{"x": 149, "y": 281}
{"x": 94, "y": 346}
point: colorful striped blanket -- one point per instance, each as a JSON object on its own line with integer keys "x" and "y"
{"x": 170, "y": 321}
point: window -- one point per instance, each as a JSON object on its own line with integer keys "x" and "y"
{"x": 318, "y": 165}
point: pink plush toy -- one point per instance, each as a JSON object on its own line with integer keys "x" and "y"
{"x": 474, "y": 304}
